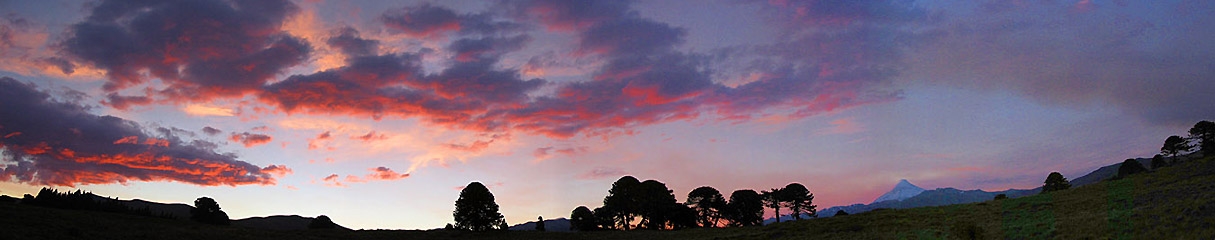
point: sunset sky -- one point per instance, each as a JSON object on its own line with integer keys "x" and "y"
{"x": 376, "y": 113}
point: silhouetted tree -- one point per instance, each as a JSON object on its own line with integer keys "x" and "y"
{"x": 708, "y": 203}
{"x": 605, "y": 218}
{"x": 582, "y": 219}
{"x": 773, "y": 199}
{"x": 799, "y": 200}
{"x": 321, "y": 222}
{"x": 841, "y": 213}
{"x": 1204, "y": 133}
{"x": 1175, "y": 145}
{"x": 746, "y": 208}
{"x": 680, "y": 216}
{"x": 449, "y": 227}
{"x": 476, "y": 209}
{"x": 1128, "y": 167}
{"x": 1055, "y": 182}
{"x": 1001, "y": 196}
{"x": 1158, "y": 162}
{"x": 622, "y": 202}
{"x": 653, "y": 201}
{"x": 206, "y": 210}
{"x": 540, "y": 223}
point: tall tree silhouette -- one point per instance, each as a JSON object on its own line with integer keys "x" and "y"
{"x": 1175, "y": 145}
{"x": 621, "y": 202}
{"x": 582, "y": 219}
{"x": 206, "y": 210}
{"x": 773, "y": 199}
{"x": 476, "y": 209}
{"x": 1204, "y": 133}
{"x": 653, "y": 201}
{"x": 799, "y": 200}
{"x": 680, "y": 216}
{"x": 708, "y": 203}
{"x": 1055, "y": 182}
{"x": 746, "y": 208}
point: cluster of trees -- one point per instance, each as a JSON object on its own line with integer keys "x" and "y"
{"x": 1054, "y": 182}
{"x": 206, "y": 210}
{"x": 649, "y": 204}
{"x": 81, "y": 200}
{"x": 1202, "y": 135}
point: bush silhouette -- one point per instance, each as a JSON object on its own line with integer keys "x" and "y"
{"x": 1055, "y": 182}
{"x": 1003, "y": 196}
{"x": 476, "y": 209}
{"x": 321, "y": 222}
{"x": 841, "y": 213}
{"x": 1128, "y": 167}
{"x": 1158, "y": 162}
{"x": 206, "y": 210}
{"x": 582, "y": 219}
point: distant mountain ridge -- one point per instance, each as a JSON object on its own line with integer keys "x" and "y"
{"x": 550, "y": 225}
{"x": 278, "y": 222}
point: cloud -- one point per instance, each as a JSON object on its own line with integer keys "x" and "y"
{"x": 602, "y": 173}
{"x": 277, "y": 170}
{"x": 377, "y": 174}
{"x": 204, "y": 110}
{"x": 370, "y": 136}
{"x": 348, "y": 41}
{"x": 1123, "y": 57}
{"x": 211, "y": 131}
{"x": 250, "y": 139}
{"x": 199, "y": 49}
{"x": 425, "y": 20}
{"x": 568, "y": 15}
{"x": 81, "y": 148}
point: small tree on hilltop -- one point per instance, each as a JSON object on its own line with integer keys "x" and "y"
{"x": 708, "y": 203}
{"x": 476, "y": 209}
{"x": 321, "y": 222}
{"x": 206, "y": 210}
{"x": 1128, "y": 167}
{"x": 1175, "y": 145}
{"x": 1055, "y": 182}
{"x": 1204, "y": 133}
{"x": 540, "y": 223}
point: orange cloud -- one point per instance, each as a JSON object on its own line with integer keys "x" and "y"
{"x": 277, "y": 170}
{"x": 377, "y": 174}
{"x": 250, "y": 139}
{"x": 203, "y": 110}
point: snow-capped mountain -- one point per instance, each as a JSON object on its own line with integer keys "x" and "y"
{"x": 902, "y": 190}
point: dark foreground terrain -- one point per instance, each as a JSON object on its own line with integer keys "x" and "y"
{"x": 1176, "y": 202}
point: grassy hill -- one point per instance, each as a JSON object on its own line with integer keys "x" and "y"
{"x": 1171, "y": 203}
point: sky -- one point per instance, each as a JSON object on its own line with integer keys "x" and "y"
{"x": 376, "y": 113}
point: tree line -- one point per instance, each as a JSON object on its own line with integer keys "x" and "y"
{"x": 1201, "y": 139}
{"x": 82, "y": 200}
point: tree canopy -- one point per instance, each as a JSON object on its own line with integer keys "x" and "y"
{"x": 582, "y": 219}
{"x": 708, "y": 203}
{"x": 1128, "y": 167}
{"x": 206, "y": 210}
{"x": 1204, "y": 133}
{"x": 799, "y": 200}
{"x": 1055, "y": 182}
{"x": 773, "y": 199}
{"x": 476, "y": 209}
{"x": 746, "y": 208}
{"x": 321, "y": 222}
{"x": 1175, "y": 145}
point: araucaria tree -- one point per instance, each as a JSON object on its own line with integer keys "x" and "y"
{"x": 1204, "y": 133}
{"x": 476, "y": 209}
{"x": 746, "y": 208}
{"x": 206, "y": 210}
{"x": 1055, "y": 182}
{"x": 799, "y": 200}
{"x": 1175, "y": 145}
{"x": 773, "y": 199}
{"x": 621, "y": 203}
{"x": 654, "y": 203}
{"x": 708, "y": 203}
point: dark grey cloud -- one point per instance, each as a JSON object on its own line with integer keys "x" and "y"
{"x": 47, "y": 142}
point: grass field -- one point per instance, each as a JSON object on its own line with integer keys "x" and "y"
{"x": 1173, "y": 203}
